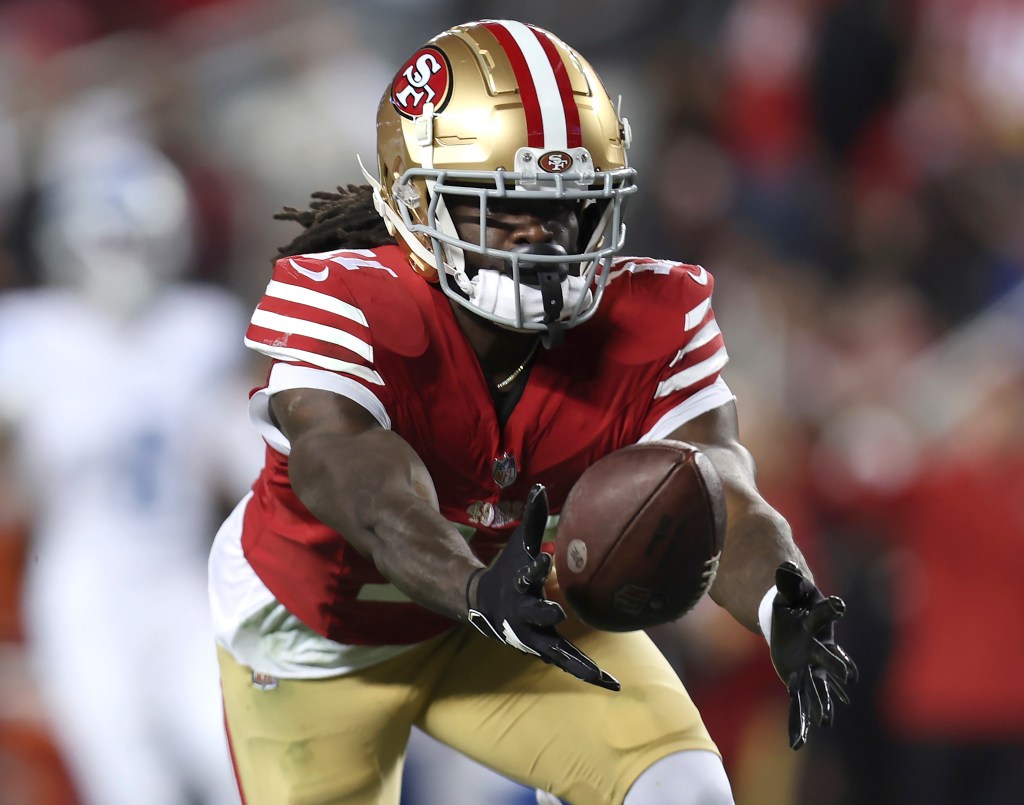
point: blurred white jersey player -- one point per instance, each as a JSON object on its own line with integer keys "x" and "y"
{"x": 113, "y": 381}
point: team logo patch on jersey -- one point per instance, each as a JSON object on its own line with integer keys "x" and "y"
{"x": 555, "y": 162}
{"x": 425, "y": 78}
{"x": 505, "y": 470}
{"x": 496, "y": 515}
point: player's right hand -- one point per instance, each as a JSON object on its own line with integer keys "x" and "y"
{"x": 510, "y": 606}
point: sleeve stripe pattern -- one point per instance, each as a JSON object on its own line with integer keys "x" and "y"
{"x": 294, "y": 355}
{"x": 705, "y": 335}
{"x": 321, "y": 301}
{"x": 321, "y": 332}
{"x": 696, "y": 316}
{"x": 693, "y": 374}
{"x": 299, "y": 325}
{"x": 700, "y": 402}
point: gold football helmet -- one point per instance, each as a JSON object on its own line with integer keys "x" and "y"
{"x": 492, "y": 109}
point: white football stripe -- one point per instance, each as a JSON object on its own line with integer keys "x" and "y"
{"x": 321, "y": 332}
{"x": 304, "y": 296}
{"x": 687, "y": 377}
{"x": 696, "y": 316}
{"x": 552, "y": 112}
{"x": 289, "y": 354}
{"x": 704, "y": 335}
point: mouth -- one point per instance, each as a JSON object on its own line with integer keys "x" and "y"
{"x": 529, "y": 270}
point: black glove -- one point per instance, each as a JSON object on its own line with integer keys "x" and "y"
{"x": 805, "y": 653}
{"x": 510, "y": 605}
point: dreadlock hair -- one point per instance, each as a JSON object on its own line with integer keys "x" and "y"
{"x": 342, "y": 220}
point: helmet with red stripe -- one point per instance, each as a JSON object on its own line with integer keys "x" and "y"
{"x": 497, "y": 109}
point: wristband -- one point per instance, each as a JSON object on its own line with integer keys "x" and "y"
{"x": 764, "y": 613}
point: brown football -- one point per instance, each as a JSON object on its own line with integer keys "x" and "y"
{"x": 640, "y": 535}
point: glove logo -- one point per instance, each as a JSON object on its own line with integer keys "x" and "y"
{"x": 512, "y": 639}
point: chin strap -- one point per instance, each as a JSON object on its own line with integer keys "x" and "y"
{"x": 553, "y": 336}
{"x": 549, "y": 280}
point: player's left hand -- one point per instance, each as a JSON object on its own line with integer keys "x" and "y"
{"x": 804, "y": 651}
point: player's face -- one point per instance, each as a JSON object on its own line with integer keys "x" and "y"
{"x": 513, "y": 224}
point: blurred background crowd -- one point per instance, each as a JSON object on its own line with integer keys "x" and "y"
{"x": 852, "y": 173}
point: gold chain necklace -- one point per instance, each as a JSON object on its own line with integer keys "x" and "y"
{"x": 519, "y": 369}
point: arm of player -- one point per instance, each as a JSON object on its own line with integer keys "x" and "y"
{"x": 758, "y": 539}
{"x": 759, "y": 555}
{"x": 367, "y": 483}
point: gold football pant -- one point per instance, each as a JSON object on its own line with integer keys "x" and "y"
{"x": 343, "y": 739}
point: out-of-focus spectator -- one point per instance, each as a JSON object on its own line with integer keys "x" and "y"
{"x": 922, "y": 457}
{"x": 113, "y": 381}
{"x": 957, "y": 720}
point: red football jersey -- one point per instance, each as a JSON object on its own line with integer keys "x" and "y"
{"x": 372, "y": 329}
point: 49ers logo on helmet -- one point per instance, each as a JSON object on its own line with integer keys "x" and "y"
{"x": 555, "y": 162}
{"x": 425, "y": 78}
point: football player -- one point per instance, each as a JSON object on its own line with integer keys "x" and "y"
{"x": 454, "y": 344}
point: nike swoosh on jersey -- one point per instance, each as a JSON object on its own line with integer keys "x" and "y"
{"x": 700, "y": 278}
{"x": 316, "y": 276}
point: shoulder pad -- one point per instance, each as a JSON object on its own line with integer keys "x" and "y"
{"x": 378, "y": 281}
{"x": 650, "y": 306}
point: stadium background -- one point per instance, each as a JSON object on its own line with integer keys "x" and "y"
{"x": 852, "y": 172}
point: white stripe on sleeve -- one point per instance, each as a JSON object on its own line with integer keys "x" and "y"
{"x": 696, "y": 316}
{"x": 692, "y": 374}
{"x": 707, "y": 399}
{"x": 304, "y": 296}
{"x": 292, "y": 355}
{"x": 321, "y": 332}
{"x": 284, "y": 376}
{"x": 704, "y": 335}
